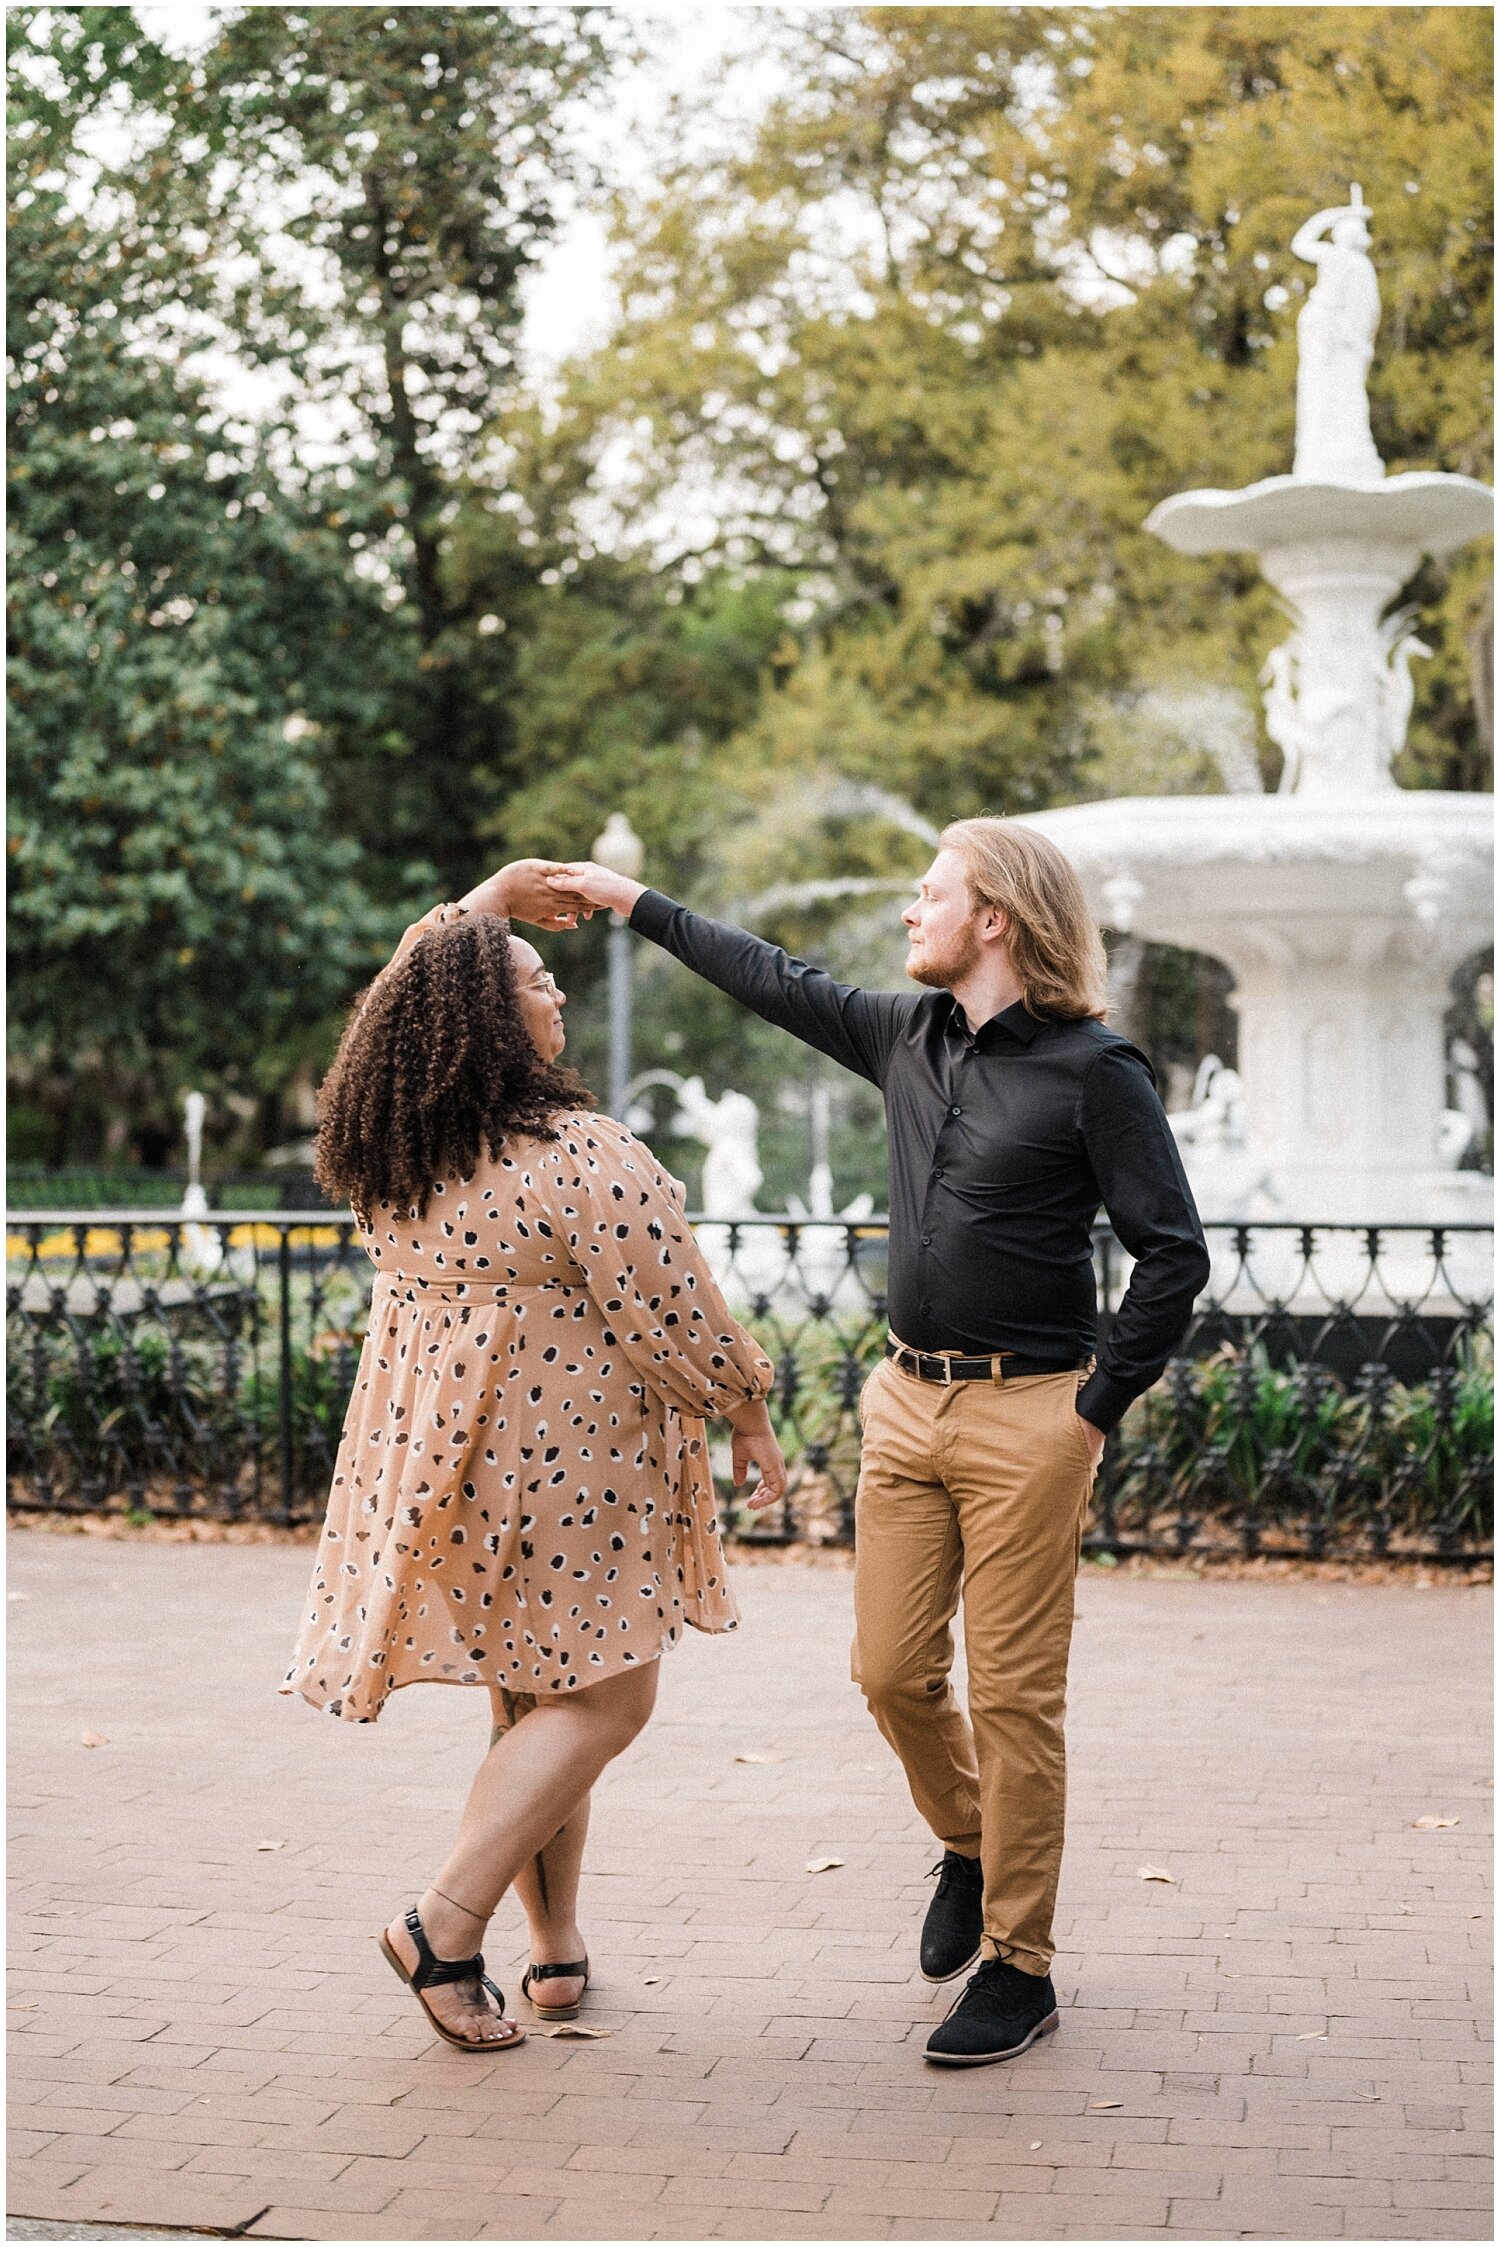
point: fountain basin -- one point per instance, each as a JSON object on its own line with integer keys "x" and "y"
{"x": 1342, "y": 918}
{"x": 1424, "y": 512}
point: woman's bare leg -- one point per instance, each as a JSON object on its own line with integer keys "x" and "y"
{"x": 548, "y": 1888}
{"x": 529, "y": 1786}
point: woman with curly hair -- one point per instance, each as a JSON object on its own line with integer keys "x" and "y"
{"x": 522, "y": 1498}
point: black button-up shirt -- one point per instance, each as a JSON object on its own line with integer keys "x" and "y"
{"x": 1003, "y": 1143}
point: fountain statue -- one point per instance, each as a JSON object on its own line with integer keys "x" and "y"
{"x": 1343, "y": 903}
{"x": 1335, "y": 344}
{"x": 202, "y": 1249}
{"x": 1214, "y": 1136}
{"x": 756, "y": 1263}
{"x": 729, "y": 1128}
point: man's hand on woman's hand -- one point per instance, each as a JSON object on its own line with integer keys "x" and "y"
{"x": 755, "y": 1445}
{"x": 546, "y": 893}
{"x": 523, "y": 891}
{"x": 594, "y": 889}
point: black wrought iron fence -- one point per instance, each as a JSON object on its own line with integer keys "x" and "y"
{"x": 1333, "y": 1396}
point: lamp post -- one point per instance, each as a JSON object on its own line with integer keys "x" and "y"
{"x": 621, "y": 850}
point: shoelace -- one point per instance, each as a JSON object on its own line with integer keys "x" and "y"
{"x": 983, "y": 1981}
{"x": 944, "y": 1872}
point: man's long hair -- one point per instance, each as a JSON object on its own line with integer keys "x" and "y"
{"x": 435, "y": 1069}
{"x": 1052, "y": 937}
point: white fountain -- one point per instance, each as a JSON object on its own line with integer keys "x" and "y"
{"x": 1343, "y": 903}
{"x": 202, "y": 1249}
{"x": 757, "y": 1262}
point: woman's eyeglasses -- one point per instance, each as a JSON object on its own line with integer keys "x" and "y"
{"x": 544, "y": 983}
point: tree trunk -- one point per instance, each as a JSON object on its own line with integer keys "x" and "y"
{"x": 438, "y": 731}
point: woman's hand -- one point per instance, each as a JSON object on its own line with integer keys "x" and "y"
{"x": 594, "y": 889}
{"x": 755, "y": 1445}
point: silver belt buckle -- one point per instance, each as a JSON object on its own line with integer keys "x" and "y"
{"x": 947, "y": 1366}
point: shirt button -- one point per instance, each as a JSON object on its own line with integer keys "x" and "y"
{"x": 955, "y": 1111}
{"x": 927, "y": 1240}
{"x": 938, "y": 1172}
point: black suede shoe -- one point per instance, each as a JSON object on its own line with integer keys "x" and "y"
{"x": 1001, "y": 2011}
{"x": 955, "y": 1918}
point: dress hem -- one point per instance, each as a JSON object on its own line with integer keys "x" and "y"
{"x": 291, "y": 1690}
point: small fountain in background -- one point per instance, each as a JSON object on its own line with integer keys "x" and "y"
{"x": 756, "y": 1262}
{"x": 1344, "y": 903}
{"x": 202, "y": 1248}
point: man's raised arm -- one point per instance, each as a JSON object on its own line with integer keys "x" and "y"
{"x": 853, "y": 1027}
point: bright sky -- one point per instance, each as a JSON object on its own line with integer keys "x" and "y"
{"x": 708, "y": 57}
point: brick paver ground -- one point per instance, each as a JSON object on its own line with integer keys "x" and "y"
{"x": 1286, "y": 2041}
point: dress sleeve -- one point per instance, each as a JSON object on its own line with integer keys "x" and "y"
{"x": 624, "y": 1229}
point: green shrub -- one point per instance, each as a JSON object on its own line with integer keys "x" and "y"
{"x": 1235, "y": 1439}
{"x": 98, "y": 1409}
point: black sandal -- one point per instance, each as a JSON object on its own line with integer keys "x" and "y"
{"x": 430, "y": 1970}
{"x": 558, "y": 1974}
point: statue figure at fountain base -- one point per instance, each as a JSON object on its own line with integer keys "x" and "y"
{"x": 758, "y": 1264}
{"x": 1229, "y": 1179}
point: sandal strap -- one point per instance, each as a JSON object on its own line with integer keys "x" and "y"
{"x": 557, "y": 1973}
{"x": 430, "y": 1970}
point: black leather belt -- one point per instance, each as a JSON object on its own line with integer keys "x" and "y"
{"x": 1006, "y": 1365}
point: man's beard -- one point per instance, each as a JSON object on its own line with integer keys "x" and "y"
{"x": 941, "y": 970}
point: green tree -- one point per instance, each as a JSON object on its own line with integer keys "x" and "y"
{"x": 379, "y": 185}
{"x": 178, "y": 905}
{"x": 991, "y": 282}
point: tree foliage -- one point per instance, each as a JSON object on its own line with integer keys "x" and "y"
{"x": 376, "y": 187}
{"x": 178, "y": 901}
{"x": 991, "y": 282}
{"x": 318, "y": 606}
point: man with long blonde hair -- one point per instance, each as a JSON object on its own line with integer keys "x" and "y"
{"x": 1012, "y": 1114}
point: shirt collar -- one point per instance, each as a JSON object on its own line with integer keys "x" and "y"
{"x": 1013, "y": 1021}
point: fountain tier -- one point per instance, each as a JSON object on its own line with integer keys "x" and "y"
{"x": 1344, "y": 903}
{"x": 1342, "y": 919}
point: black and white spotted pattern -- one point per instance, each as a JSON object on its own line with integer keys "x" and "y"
{"x": 522, "y": 1496}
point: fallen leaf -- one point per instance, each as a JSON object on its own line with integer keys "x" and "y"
{"x": 1104, "y": 2106}
{"x": 823, "y": 1864}
{"x": 1432, "y": 1825}
{"x": 270, "y": 1845}
{"x": 573, "y": 2028}
{"x": 96, "y": 1739}
{"x": 1308, "y": 2035}
{"x": 1155, "y": 1872}
{"x": 761, "y": 1759}
{"x": 651, "y": 1981}
{"x": 28, "y": 2007}
{"x": 1035, "y": 2146}
{"x": 1370, "y": 2098}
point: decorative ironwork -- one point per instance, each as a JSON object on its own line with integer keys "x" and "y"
{"x": 1333, "y": 1396}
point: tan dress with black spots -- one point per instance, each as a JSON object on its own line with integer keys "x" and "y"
{"x": 522, "y": 1496}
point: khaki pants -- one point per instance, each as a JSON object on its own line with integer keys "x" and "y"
{"x": 979, "y": 1489}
